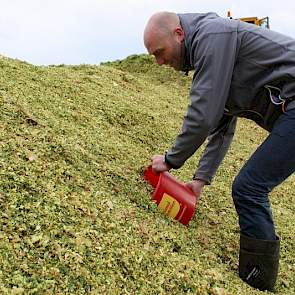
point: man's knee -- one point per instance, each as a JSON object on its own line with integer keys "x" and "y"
{"x": 248, "y": 185}
{"x": 239, "y": 188}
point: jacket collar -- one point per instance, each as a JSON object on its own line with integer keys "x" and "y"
{"x": 186, "y": 65}
{"x": 191, "y": 23}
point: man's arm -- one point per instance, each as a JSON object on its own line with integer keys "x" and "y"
{"x": 218, "y": 143}
{"x": 214, "y": 62}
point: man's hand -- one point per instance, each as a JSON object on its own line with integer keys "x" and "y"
{"x": 196, "y": 186}
{"x": 158, "y": 163}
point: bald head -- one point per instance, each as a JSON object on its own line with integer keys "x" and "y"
{"x": 161, "y": 24}
{"x": 163, "y": 38}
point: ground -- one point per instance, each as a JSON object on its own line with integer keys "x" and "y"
{"x": 76, "y": 214}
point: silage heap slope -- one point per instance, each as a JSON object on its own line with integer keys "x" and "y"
{"x": 76, "y": 215}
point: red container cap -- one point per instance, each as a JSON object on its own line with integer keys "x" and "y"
{"x": 171, "y": 195}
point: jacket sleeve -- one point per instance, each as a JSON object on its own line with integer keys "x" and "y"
{"x": 213, "y": 59}
{"x": 218, "y": 143}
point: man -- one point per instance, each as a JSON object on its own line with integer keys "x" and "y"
{"x": 241, "y": 70}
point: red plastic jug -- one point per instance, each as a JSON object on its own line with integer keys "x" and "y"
{"x": 171, "y": 196}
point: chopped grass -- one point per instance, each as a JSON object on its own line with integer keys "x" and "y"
{"x": 76, "y": 215}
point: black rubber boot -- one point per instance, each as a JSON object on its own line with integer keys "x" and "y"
{"x": 259, "y": 262}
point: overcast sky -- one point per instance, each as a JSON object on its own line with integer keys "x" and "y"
{"x": 46, "y": 32}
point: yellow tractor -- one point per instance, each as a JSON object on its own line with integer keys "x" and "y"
{"x": 263, "y": 22}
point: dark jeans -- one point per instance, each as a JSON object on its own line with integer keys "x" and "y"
{"x": 269, "y": 166}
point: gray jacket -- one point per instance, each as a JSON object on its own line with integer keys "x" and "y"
{"x": 241, "y": 70}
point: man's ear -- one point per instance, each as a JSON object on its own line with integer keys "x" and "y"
{"x": 179, "y": 33}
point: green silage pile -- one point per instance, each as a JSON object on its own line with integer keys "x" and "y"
{"x": 76, "y": 215}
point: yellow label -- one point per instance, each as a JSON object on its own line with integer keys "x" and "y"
{"x": 169, "y": 206}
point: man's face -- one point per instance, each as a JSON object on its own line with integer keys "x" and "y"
{"x": 166, "y": 48}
